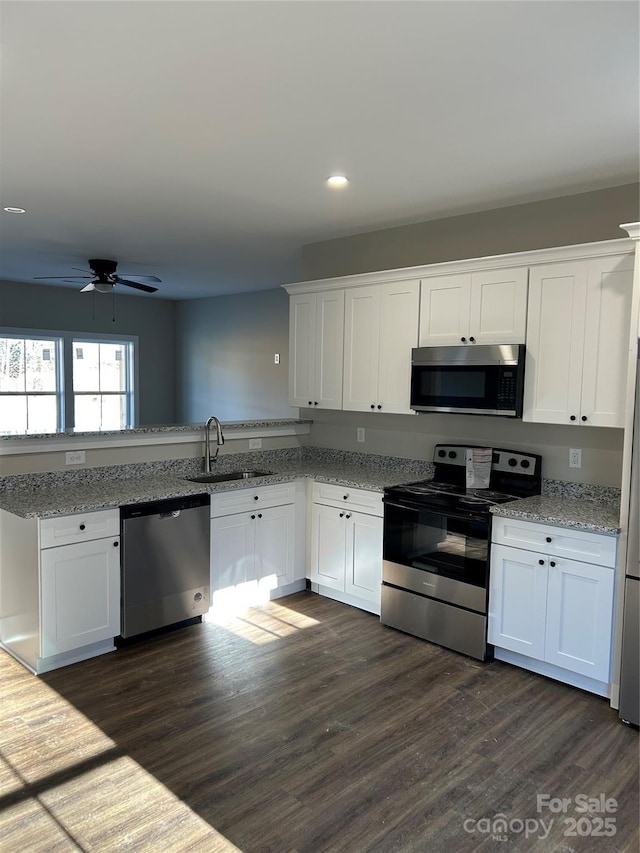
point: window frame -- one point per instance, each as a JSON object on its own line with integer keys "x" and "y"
{"x": 65, "y": 394}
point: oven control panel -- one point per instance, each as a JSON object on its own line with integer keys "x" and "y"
{"x": 505, "y": 461}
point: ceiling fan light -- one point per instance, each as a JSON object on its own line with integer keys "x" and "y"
{"x": 103, "y": 286}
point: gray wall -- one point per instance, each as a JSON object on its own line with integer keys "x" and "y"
{"x": 35, "y": 306}
{"x": 226, "y": 348}
{"x": 581, "y": 218}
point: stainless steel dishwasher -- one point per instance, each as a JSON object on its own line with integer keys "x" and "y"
{"x": 165, "y": 563}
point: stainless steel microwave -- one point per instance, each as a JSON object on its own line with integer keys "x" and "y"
{"x": 474, "y": 379}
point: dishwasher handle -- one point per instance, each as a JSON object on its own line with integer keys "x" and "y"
{"x": 175, "y": 513}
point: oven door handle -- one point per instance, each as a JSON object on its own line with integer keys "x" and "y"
{"x": 446, "y": 513}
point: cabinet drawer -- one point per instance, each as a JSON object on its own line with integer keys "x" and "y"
{"x": 67, "y": 529}
{"x": 240, "y": 500}
{"x": 341, "y": 496}
{"x": 596, "y": 548}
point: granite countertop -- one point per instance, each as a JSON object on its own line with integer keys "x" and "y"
{"x": 592, "y": 515}
{"x": 44, "y": 496}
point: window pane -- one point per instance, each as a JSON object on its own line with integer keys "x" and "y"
{"x": 42, "y": 413}
{"x": 29, "y": 414}
{"x": 14, "y": 415}
{"x": 96, "y": 412}
{"x": 40, "y": 365}
{"x": 113, "y": 411}
{"x": 86, "y": 367}
{"x": 87, "y": 413}
{"x": 113, "y": 375}
{"x": 12, "y": 376}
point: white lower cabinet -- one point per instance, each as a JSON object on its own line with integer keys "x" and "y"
{"x": 80, "y": 588}
{"x": 60, "y": 581}
{"x": 550, "y": 613}
{"x": 255, "y": 553}
{"x": 346, "y": 545}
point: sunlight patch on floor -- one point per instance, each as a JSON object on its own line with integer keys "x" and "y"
{"x": 239, "y": 610}
{"x": 65, "y": 785}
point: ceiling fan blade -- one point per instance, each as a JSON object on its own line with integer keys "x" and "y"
{"x": 88, "y": 287}
{"x": 142, "y": 277}
{"x": 135, "y": 284}
{"x": 61, "y": 277}
{"x": 79, "y": 269}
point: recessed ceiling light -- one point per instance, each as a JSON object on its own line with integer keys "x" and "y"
{"x": 15, "y": 210}
{"x": 337, "y": 180}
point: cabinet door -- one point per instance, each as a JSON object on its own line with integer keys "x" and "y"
{"x": 80, "y": 595}
{"x": 361, "y": 349}
{"x": 399, "y": 307}
{"x": 364, "y": 557}
{"x": 274, "y": 545}
{"x": 499, "y": 306}
{"x": 328, "y": 546}
{"x": 579, "y": 617}
{"x": 232, "y": 551}
{"x": 329, "y": 345}
{"x": 445, "y": 303}
{"x": 302, "y": 329}
{"x": 606, "y": 351}
{"x": 518, "y": 600}
{"x": 555, "y": 343}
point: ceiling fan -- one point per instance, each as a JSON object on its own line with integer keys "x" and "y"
{"x": 103, "y": 277}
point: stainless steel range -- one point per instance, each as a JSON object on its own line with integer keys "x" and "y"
{"x": 435, "y": 571}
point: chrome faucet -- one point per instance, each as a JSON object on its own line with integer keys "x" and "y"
{"x": 207, "y": 442}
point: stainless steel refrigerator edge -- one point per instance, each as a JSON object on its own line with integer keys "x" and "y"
{"x": 629, "y": 699}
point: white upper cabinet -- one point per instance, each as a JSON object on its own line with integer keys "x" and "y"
{"x": 381, "y": 328}
{"x": 577, "y": 341}
{"x": 316, "y": 334}
{"x": 488, "y": 307}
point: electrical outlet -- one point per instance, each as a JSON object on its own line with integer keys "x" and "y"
{"x": 276, "y": 358}
{"x": 74, "y": 457}
{"x": 360, "y": 434}
{"x": 255, "y": 443}
{"x": 575, "y": 458}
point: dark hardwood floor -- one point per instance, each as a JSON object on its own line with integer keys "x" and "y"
{"x": 303, "y": 727}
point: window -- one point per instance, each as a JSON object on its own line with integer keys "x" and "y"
{"x": 102, "y": 385}
{"x": 51, "y": 382}
{"x": 30, "y": 385}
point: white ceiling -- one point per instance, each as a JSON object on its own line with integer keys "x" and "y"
{"x": 191, "y": 140}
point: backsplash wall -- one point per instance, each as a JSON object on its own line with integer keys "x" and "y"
{"x": 414, "y": 437}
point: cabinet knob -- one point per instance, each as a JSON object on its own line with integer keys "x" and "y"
{"x": 379, "y": 406}
{"x": 472, "y": 340}
{"x": 348, "y": 515}
{"x": 115, "y": 544}
{"x": 341, "y": 515}
{"x": 259, "y": 515}
{"x": 583, "y": 418}
{"x": 310, "y": 403}
{"x": 255, "y": 497}
{"x": 316, "y": 403}
{"x": 373, "y": 406}
{"x": 464, "y": 340}
{"x": 253, "y": 517}
{"x": 548, "y": 539}
{"x": 345, "y": 497}
{"x": 572, "y": 418}
{"x": 82, "y": 526}
{"x": 552, "y": 564}
{"x": 541, "y": 562}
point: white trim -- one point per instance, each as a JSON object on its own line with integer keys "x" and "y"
{"x": 600, "y": 688}
{"x": 632, "y": 229}
{"x": 492, "y": 262}
{"x": 14, "y": 447}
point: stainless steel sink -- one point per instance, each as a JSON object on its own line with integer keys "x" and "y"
{"x": 231, "y": 475}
